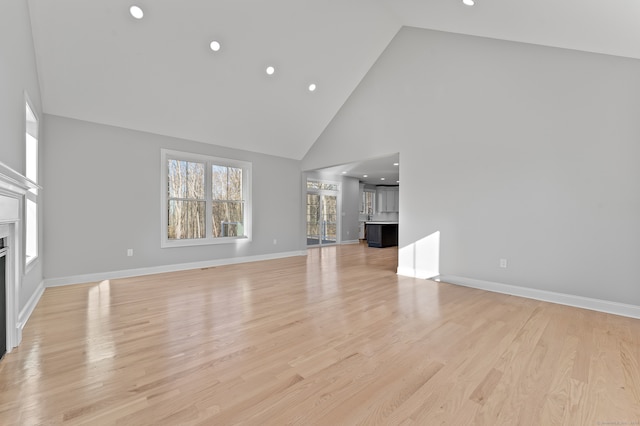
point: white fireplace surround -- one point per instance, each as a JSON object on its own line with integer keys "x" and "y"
{"x": 13, "y": 190}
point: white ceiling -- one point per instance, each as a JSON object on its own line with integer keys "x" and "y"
{"x": 97, "y": 63}
{"x": 373, "y": 171}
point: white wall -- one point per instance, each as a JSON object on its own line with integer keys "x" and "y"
{"x": 103, "y": 197}
{"x": 350, "y": 208}
{"x": 18, "y": 75}
{"x": 509, "y": 150}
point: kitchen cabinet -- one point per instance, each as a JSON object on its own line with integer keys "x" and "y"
{"x": 382, "y": 234}
{"x": 387, "y": 199}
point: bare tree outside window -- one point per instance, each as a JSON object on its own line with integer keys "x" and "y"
{"x": 187, "y": 204}
{"x": 228, "y": 203}
{"x": 205, "y": 199}
{"x": 313, "y": 215}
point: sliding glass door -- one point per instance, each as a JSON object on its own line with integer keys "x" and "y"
{"x": 322, "y": 218}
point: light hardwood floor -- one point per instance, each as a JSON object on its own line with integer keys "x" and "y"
{"x": 333, "y": 338}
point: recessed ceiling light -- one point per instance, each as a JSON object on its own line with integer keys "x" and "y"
{"x": 270, "y": 70}
{"x": 381, "y": 178}
{"x": 469, "y": 2}
{"x": 215, "y": 46}
{"x": 365, "y": 175}
{"x": 396, "y": 164}
{"x": 344, "y": 173}
{"x": 397, "y": 181}
{"x": 136, "y": 12}
{"x": 312, "y": 87}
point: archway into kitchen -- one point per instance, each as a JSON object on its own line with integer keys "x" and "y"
{"x": 366, "y": 197}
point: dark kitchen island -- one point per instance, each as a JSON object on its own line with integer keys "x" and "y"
{"x": 382, "y": 234}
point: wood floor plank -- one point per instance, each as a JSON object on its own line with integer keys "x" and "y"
{"x": 332, "y": 338}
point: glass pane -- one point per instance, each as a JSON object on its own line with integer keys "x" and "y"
{"x": 313, "y": 219}
{"x": 175, "y": 181}
{"x": 235, "y": 184}
{"x": 228, "y": 219}
{"x": 32, "y": 158}
{"x": 186, "y": 219}
{"x": 329, "y": 218}
{"x": 31, "y": 170}
{"x": 227, "y": 183}
{"x": 186, "y": 179}
{"x": 369, "y": 199}
{"x": 329, "y": 186}
{"x": 219, "y": 184}
{"x": 195, "y": 180}
{"x": 32, "y": 230}
{"x": 314, "y": 184}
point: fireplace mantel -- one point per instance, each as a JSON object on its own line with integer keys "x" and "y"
{"x": 11, "y": 178}
{"x": 13, "y": 189}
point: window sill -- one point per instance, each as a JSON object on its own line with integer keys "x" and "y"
{"x": 203, "y": 242}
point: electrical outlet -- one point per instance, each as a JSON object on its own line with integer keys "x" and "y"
{"x": 275, "y": 241}
{"x": 503, "y": 263}
{"x": 129, "y": 252}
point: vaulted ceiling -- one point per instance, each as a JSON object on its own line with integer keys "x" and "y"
{"x": 159, "y": 75}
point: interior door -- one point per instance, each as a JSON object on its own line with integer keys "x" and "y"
{"x": 322, "y": 219}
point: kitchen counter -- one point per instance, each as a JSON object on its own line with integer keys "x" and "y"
{"x": 382, "y": 234}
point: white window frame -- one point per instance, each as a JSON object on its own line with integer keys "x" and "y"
{"x": 33, "y": 195}
{"x": 166, "y": 155}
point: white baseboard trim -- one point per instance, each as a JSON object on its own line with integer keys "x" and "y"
{"x": 101, "y": 276}
{"x": 28, "y": 309}
{"x": 351, "y": 242}
{"x": 606, "y": 306}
